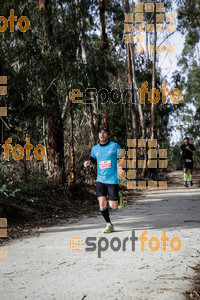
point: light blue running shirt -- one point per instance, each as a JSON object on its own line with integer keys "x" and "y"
{"x": 106, "y": 157}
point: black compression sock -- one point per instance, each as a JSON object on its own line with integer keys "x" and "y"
{"x": 105, "y": 214}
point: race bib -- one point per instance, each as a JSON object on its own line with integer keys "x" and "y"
{"x": 188, "y": 160}
{"x": 105, "y": 164}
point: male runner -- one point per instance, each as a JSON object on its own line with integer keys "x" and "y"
{"x": 107, "y": 183}
{"x": 187, "y": 150}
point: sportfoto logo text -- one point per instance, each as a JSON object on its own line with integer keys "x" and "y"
{"x": 18, "y": 150}
{"x": 23, "y": 22}
{"x": 104, "y": 96}
{"x": 102, "y": 244}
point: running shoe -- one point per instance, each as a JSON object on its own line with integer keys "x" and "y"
{"x": 109, "y": 228}
{"x": 191, "y": 183}
{"x": 186, "y": 184}
{"x": 121, "y": 203}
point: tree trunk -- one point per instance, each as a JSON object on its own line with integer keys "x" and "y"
{"x": 152, "y": 133}
{"x": 126, "y": 8}
{"x": 131, "y": 95}
{"x": 2, "y": 104}
{"x": 137, "y": 97}
{"x": 72, "y": 172}
{"x": 2, "y": 127}
{"x": 92, "y": 120}
{"x": 136, "y": 94}
{"x": 54, "y": 122}
{"x": 103, "y": 25}
{"x": 124, "y": 108}
{"x": 90, "y": 125}
{"x": 105, "y": 46}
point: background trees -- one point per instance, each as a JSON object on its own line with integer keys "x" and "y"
{"x": 78, "y": 45}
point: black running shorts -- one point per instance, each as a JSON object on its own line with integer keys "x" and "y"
{"x": 187, "y": 165}
{"x": 104, "y": 189}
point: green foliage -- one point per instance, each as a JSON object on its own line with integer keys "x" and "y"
{"x": 13, "y": 185}
{"x": 174, "y": 158}
{"x": 188, "y": 24}
{"x": 36, "y": 61}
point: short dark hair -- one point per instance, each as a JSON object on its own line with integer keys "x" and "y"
{"x": 186, "y": 138}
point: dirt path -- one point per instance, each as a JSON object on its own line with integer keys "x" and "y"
{"x": 44, "y": 267}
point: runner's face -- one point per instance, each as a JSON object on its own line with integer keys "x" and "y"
{"x": 103, "y": 136}
{"x": 186, "y": 142}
